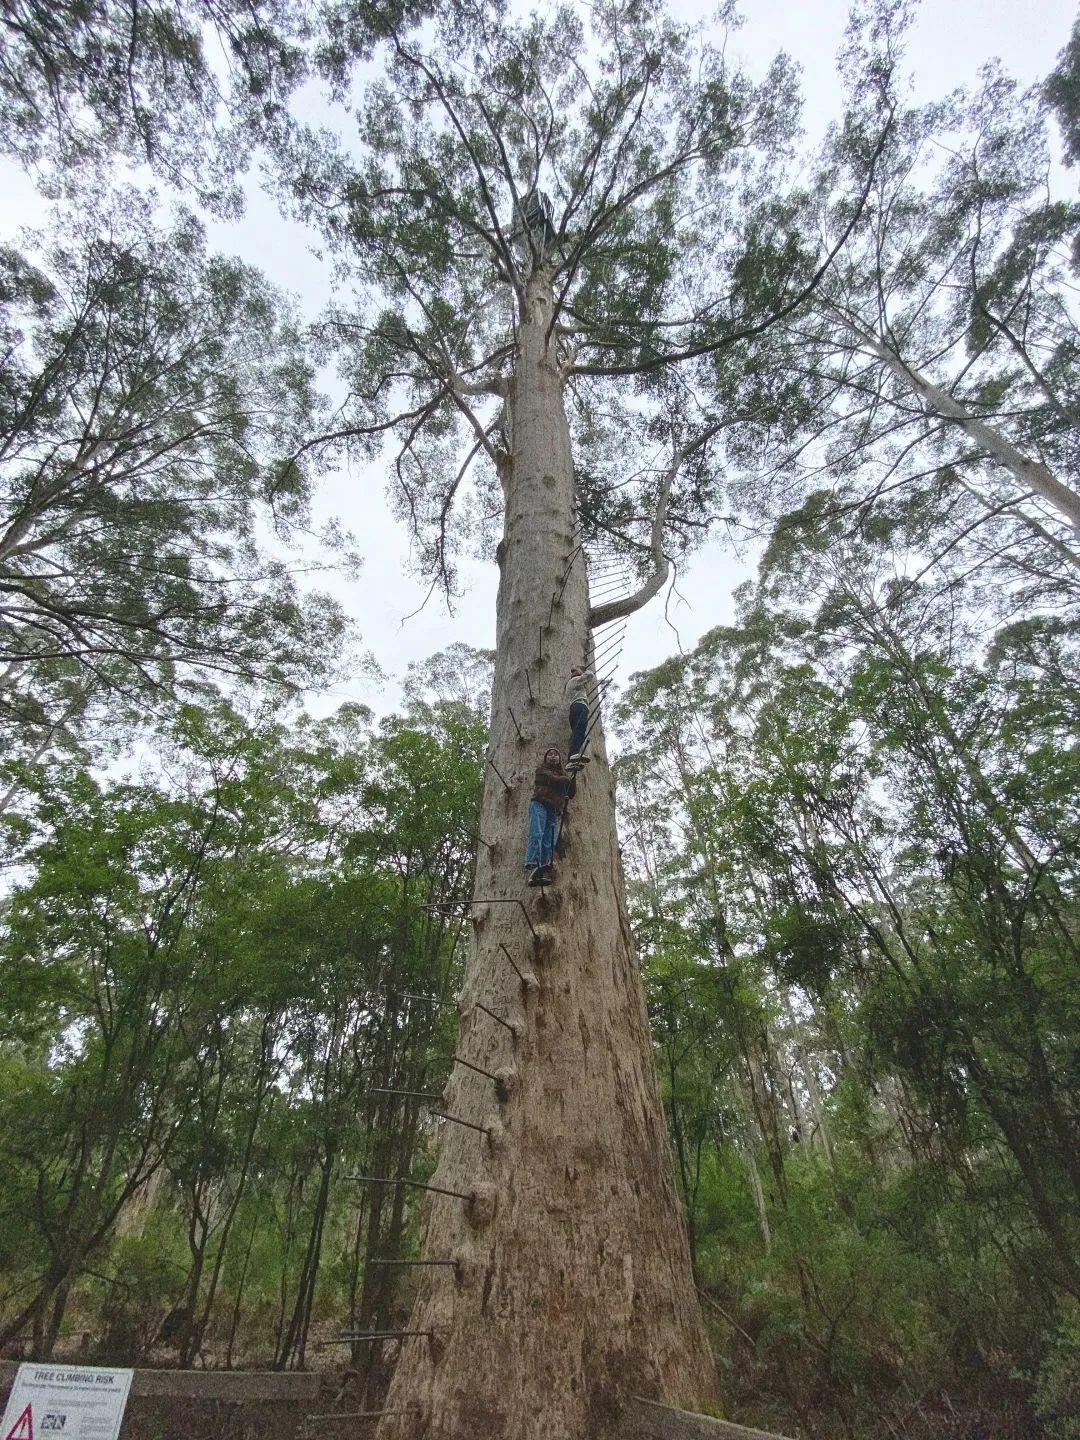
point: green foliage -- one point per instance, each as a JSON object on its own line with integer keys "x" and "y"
{"x": 181, "y": 85}
{"x": 852, "y": 822}
{"x": 672, "y": 240}
{"x": 148, "y": 395}
{"x": 1063, "y": 93}
{"x": 203, "y": 979}
{"x": 933, "y": 370}
{"x": 1057, "y": 1390}
{"x": 186, "y": 86}
{"x": 851, "y": 816}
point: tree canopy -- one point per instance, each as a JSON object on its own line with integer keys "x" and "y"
{"x": 149, "y": 397}
{"x": 665, "y": 172}
{"x": 234, "y": 952}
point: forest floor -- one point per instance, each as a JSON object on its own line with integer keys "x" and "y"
{"x": 238, "y": 1404}
{"x": 988, "y": 1410}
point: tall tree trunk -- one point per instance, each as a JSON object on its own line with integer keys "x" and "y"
{"x": 820, "y": 1129}
{"x": 207, "y": 1308}
{"x": 757, "y": 1190}
{"x": 687, "y": 1180}
{"x": 748, "y": 1142}
{"x": 574, "y": 1283}
{"x": 56, "y": 1317}
{"x": 198, "y": 1239}
{"x": 1031, "y": 475}
{"x": 291, "y": 1347}
{"x": 234, "y": 1322}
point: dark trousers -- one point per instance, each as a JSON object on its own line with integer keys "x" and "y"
{"x": 579, "y": 723}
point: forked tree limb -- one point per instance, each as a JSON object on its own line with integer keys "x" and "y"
{"x": 1031, "y": 475}
{"x": 616, "y": 609}
{"x": 496, "y": 238}
{"x": 749, "y": 332}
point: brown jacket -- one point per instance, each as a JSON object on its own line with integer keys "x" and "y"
{"x": 554, "y": 788}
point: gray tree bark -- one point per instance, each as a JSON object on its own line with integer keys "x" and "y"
{"x": 573, "y": 1286}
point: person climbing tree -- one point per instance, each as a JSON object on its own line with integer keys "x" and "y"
{"x": 577, "y": 698}
{"x": 553, "y": 787}
{"x": 474, "y": 348}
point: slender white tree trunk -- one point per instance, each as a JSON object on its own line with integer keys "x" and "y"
{"x": 1030, "y": 475}
{"x": 748, "y": 1142}
{"x": 817, "y": 1109}
{"x": 758, "y": 1192}
{"x": 573, "y": 1286}
{"x": 813, "y": 1090}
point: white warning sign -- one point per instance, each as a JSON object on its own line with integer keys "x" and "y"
{"x": 78, "y": 1402}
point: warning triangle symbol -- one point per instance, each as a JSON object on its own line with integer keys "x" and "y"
{"x": 23, "y": 1429}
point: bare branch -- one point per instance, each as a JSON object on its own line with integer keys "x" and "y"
{"x": 748, "y": 332}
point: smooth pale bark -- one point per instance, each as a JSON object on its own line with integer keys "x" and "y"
{"x": 817, "y": 1109}
{"x": 747, "y": 1146}
{"x": 761, "y": 1209}
{"x": 820, "y": 1129}
{"x": 1031, "y": 475}
{"x": 574, "y": 1286}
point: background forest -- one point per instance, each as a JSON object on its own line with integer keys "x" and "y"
{"x": 229, "y": 934}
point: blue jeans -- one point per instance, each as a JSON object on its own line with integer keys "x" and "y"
{"x": 544, "y": 827}
{"x": 579, "y": 723}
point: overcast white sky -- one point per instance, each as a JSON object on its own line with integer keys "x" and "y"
{"x": 951, "y": 41}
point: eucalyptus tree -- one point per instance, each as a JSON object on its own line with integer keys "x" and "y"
{"x": 938, "y": 825}
{"x": 182, "y": 85}
{"x": 1063, "y": 94}
{"x": 190, "y": 88}
{"x": 211, "y": 1011}
{"x": 100, "y": 979}
{"x": 555, "y": 234}
{"x": 879, "y": 789}
{"x": 940, "y": 354}
{"x": 688, "y": 728}
{"x": 148, "y": 391}
{"x": 964, "y": 886}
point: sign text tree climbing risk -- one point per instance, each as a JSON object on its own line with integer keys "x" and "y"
{"x": 80, "y": 1402}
